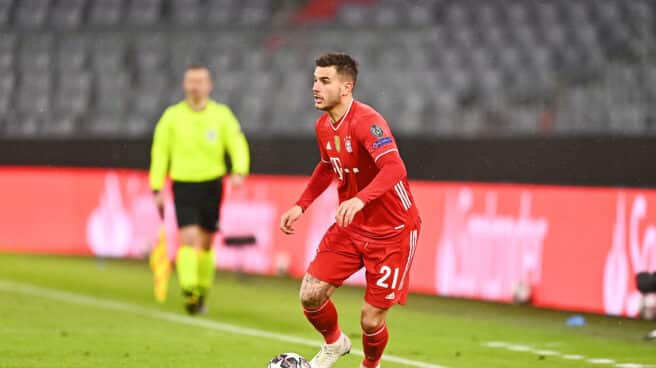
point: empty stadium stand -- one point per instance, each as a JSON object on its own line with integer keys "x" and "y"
{"x": 465, "y": 68}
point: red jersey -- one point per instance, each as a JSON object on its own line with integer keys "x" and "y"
{"x": 365, "y": 160}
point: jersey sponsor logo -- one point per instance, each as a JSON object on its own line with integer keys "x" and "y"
{"x": 347, "y": 144}
{"x": 328, "y": 146}
{"x": 376, "y": 131}
{"x": 381, "y": 142}
{"x": 338, "y": 145}
{"x": 211, "y": 135}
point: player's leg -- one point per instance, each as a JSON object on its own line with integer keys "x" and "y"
{"x": 318, "y": 308}
{"x": 388, "y": 266}
{"x": 335, "y": 261}
{"x": 374, "y": 334}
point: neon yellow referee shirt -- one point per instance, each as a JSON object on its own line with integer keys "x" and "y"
{"x": 190, "y": 145}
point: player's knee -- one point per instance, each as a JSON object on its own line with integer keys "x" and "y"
{"x": 372, "y": 319}
{"x": 312, "y": 298}
{"x": 371, "y": 323}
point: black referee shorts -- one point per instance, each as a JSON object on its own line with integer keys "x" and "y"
{"x": 198, "y": 203}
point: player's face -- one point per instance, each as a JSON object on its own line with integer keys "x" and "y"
{"x": 328, "y": 88}
{"x": 197, "y": 84}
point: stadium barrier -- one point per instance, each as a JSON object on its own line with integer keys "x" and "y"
{"x": 577, "y": 247}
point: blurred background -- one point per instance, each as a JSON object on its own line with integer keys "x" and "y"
{"x": 524, "y": 91}
{"x": 438, "y": 68}
{"x": 528, "y": 129}
{"x": 534, "y": 92}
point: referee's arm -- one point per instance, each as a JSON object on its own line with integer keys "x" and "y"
{"x": 159, "y": 154}
{"x": 236, "y": 145}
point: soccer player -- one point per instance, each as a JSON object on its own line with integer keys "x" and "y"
{"x": 189, "y": 144}
{"x": 377, "y": 222}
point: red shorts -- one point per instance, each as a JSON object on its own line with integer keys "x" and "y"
{"x": 387, "y": 263}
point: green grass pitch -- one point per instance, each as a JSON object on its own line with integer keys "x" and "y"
{"x": 84, "y": 312}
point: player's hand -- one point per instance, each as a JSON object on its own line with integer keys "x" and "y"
{"x": 237, "y": 180}
{"x": 159, "y": 203}
{"x": 288, "y": 218}
{"x": 347, "y": 211}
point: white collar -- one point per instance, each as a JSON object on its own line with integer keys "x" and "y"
{"x": 341, "y": 120}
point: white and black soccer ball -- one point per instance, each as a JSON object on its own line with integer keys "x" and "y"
{"x": 288, "y": 360}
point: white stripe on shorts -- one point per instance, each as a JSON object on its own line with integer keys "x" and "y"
{"x": 411, "y": 254}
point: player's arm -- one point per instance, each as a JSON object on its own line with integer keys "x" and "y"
{"x": 159, "y": 159}
{"x": 391, "y": 171}
{"x": 320, "y": 180}
{"x": 379, "y": 142}
{"x": 237, "y": 147}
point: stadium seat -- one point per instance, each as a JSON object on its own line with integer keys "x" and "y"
{"x": 6, "y": 93}
{"x": 144, "y": 12}
{"x": 32, "y": 14}
{"x": 23, "y": 126}
{"x": 149, "y": 51}
{"x": 254, "y": 12}
{"x": 72, "y": 53}
{"x": 253, "y": 118}
{"x": 353, "y": 15}
{"x": 106, "y": 13}
{"x": 148, "y": 100}
{"x": 34, "y": 93}
{"x": 186, "y": 12}
{"x": 184, "y": 49}
{"x": 108, "y": 53}
{"x": 221, "y": 12}
{"x": 138, "y": 126}
{"x": 59, "y": 126}
{"x": 112, "y": 95}
{"x": 74, "y": 89}
{"x": 6, "y": 60}
{"x": 36, "y": 52}
{"x": 67, "y": 14}
{"x": 466, "y": 60}
{"x": 5, "y": 12}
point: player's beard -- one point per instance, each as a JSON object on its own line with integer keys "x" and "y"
{"x": 326, "y": 104}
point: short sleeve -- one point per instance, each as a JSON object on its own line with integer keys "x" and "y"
{"x": 375, "y": 135}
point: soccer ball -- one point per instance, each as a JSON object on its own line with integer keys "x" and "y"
{"x": 288, "y": 360}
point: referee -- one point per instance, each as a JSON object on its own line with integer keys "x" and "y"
{"x": 189, "y": 144}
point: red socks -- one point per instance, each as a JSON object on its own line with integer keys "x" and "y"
{"x": 373, "y": 345}
{"x": 324, "y": 320}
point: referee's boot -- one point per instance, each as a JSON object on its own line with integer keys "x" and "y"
{"x": 192, "y": 302}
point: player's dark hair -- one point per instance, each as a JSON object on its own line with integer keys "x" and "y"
{"x": 343, "y": 63}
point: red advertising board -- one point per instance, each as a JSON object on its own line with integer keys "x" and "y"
{"x": 578, "y": 248}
